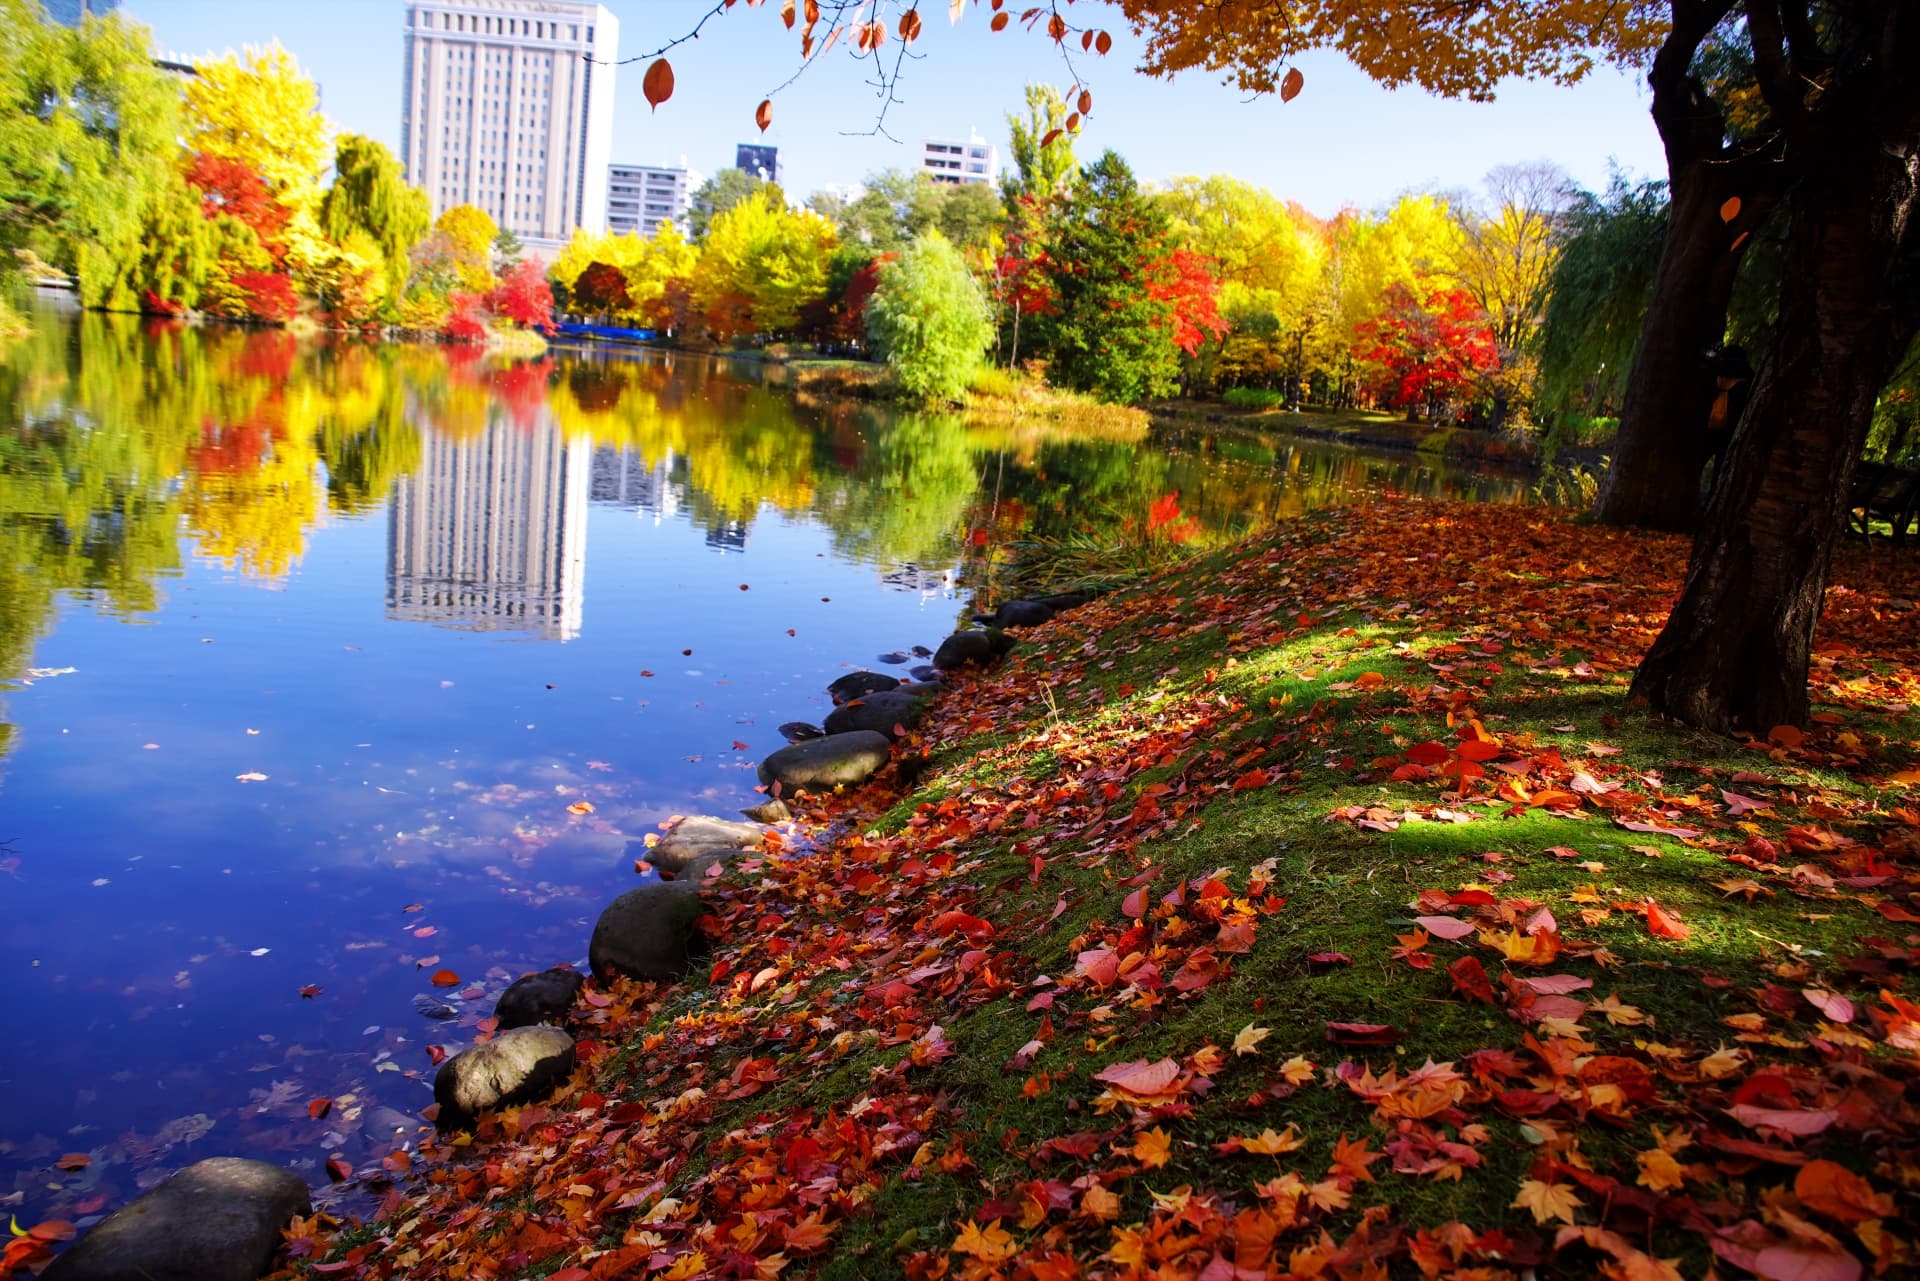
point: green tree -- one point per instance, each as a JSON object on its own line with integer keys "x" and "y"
{"x": 727, "y": 188}
{"x": 1106, "y": 333}
{"x": 1041, "y": 168}
{"x": 370, "y": 194}
{"x": 930, "y": 320}
{"x": 88, "y": 130}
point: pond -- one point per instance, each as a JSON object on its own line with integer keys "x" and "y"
{"x": 329, "y": 665}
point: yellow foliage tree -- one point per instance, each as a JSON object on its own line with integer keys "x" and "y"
{"x": 262, "y": 111}
{"x": 472, "y": 231}
{"x": 765, "y": 258}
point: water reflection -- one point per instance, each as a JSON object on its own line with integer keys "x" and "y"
{"x": 243, "y": 797}
{"x": 490, "y": 534}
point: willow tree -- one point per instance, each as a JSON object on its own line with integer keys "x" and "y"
{"x": 370, "y": 194}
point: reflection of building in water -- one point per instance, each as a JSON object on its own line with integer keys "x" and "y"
{"x": 490, "y": 534}
{"x": 728, "y": 535}
{"x": 623, "y": 478}
{"x": 912, "y": 578}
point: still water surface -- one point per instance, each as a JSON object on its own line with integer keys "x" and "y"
{"x": 328, "y": 665}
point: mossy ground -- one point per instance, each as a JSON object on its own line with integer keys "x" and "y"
{"x": 1237, "y": 736}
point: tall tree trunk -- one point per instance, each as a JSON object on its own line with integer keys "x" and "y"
{"x": 1734, "y": 653}
{"x": 1661, "y": 449}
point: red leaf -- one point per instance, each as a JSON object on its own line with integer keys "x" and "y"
{"x": 1446, "y": 927}
{"x": 338, "y": 1170}
{"x": 73, "y": 1161}
{"x": 319, "y": 1108}
{"x": 1428, "y": 753}
{"x": 963, "y": 923}
{"x": 1290, "y": 85}
{"x": 1362, "y": 1033}
{"x": 1250, "y": 780}
{"x": 763, "y": 114}
{"x": 657, "y": 85}
{"x": 1470, "y": 979}
{"x": 445, "y": 978}
{"x": 1134, "y": 906}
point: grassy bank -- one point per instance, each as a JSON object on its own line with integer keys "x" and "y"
{"x": 996, "y": 396}
{"x": 1319, "y": 909}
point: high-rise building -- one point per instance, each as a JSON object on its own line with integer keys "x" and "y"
{"x": 958, "y": 162}
{"x": 760, "y": 161}
{"x": 509, "y": 106}
{"x": 69, "y": 12}
{"x": 643, "y": 198}
{"x": 490, "y": 534}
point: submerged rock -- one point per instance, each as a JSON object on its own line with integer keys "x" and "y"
{"x": 539, "y": 998}
{"x": 879, "y": 712}
{"x": 849, "y": 758}
{"x": 962, "y": 648}
{"x": 216, "y": 1220}
{"x": 924, "y": 672}
{"x": 859, "y": 685}
{"x": 517, "y": 1066}
{"x": 649, "y": 932}
{"x": 773, "y": 811}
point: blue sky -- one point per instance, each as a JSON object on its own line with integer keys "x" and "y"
{"x": 1343, "y": 141}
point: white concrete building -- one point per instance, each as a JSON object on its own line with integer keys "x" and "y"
{"x": 509, "y": 106}
{"x": 643, "y": 198}
{"x": 959, "y": 161}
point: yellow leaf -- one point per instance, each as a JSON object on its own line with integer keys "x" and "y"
{"x": 1723, "y": 1062}
{"x": 1329, "y": 1195}
{"x": 1270, "y": 1144}
{"x": 1153, "y": 1148}
{"x": 1617, "y": 1014}
{"x": 1249, "y": 1037}
{"x": 1297, "y": 1071}
{"x": 1547, "y": 1201}
{"x": 1659, "y": 1171}
{"x": 1098, "y": 1203}
{"x": 990, "y": 1244}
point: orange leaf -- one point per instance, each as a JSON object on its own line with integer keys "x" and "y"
{"x": 1663, "y": 924}
{"x": 763, "y": 114}
{"x": 999, "y": 22}
{"x": 1477, "y": 749}
{"x": 1730, "y": 209}
{"x": 1103, "y": 43}
{"x": 73, "y": 1161}
{"x": 53, "y": 1230}
{"x": 910, "y": 25}
{"x": 580, "y": 807}
{"x": 1250, "y": 780}
{"x": 1786, "y": 735}
{"x": 657, "y": 84}
{"x": 1839, "y": 1193}
{"x": 319, "y": 1108}
{"x": 445, "y": 978}
{"x": 1290, "y": 85}
{"x": 1369, "y": 680}
{"x": 1086, "y": 101}
{"x": 991, "y": 1244}
{"x": 1153, "y": 1149}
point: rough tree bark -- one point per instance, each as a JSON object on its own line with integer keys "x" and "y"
{"x": 1734, "y": 653}
{"x": 1661, "y": 448}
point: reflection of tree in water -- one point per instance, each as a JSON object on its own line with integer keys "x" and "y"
{"x": 906, "y": 498}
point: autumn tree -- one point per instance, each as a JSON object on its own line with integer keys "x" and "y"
{"x": 1506, "y": 256}
{"x": 601, "y": 288}
{"x": 87, "y": 144}
{"x": 759, "y": 263}
{"x": 718, "y": 194}
{"x": 1428, "y": 351}
{"x": 470, "y": 231}
{"x": 930, "y": 320}
{"x": 261, "y": 111}
{"x": 1041, "y": 147}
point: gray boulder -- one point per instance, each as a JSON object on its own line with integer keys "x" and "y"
{"x": 878, "y": 712}
{"x": 825, "y": 763}
{"x": 1018, "y": 613}
{"x": 539, "y": 998}
{"x": 963, "y": 648}
{"x": 794, "y": 731}
{"x": 516, "y": 1066}
{"x": 699, "y": 837}
{"x": 859, "y": 685}
{"x": 649, "y": 932}
{"x": 216, "y": 1220}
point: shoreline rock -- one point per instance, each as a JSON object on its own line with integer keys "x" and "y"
{"x": 835, "y": 760}
{"x": 649, "y": 932}
{"x": 516, "y": 1066}
{"x": 216, "y": 1220}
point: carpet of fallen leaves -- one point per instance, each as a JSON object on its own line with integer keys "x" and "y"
{"x": 815, "y": 1097}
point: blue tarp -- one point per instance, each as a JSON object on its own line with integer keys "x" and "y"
{"x": 607, "y": 331}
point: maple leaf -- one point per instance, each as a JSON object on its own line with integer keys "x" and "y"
{"x": 1659, "y": 1171}
{"x": 991, "y": 1244}
{"x": 1351, "y": 1158}
{"x": 1547, "y": 1201}
{"x": 1153, "y": 1148}
{"x": 1267, "y": 1143}
{"x": 1327, "y": 1194}
{"x": 1248, "y": 1039}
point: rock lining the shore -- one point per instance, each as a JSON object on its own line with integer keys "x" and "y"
{"x": 825, "y": 763}
{"x": 859, "y": 685}
{"x": 649, "y": 932}
{"x": 971, "y": 648}
{"x": 516, "y": 1066}
{"x": 545, "y": 997}
{"x": 216, "y": 1220}
{"x": 881, "y": 713}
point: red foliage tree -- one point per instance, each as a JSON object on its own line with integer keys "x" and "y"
{"x": 602, "y": 287}
{"x": 1429, "y": 351}
{"x": 524, "y": 297}
{"x": 270, "y": 295}
{"x": 466, "y": 321}
{"x": 229, "y": 187}
{"x": 1184, "y": 280}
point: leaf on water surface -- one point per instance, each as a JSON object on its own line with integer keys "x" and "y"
{"x": 445, "y": 978}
